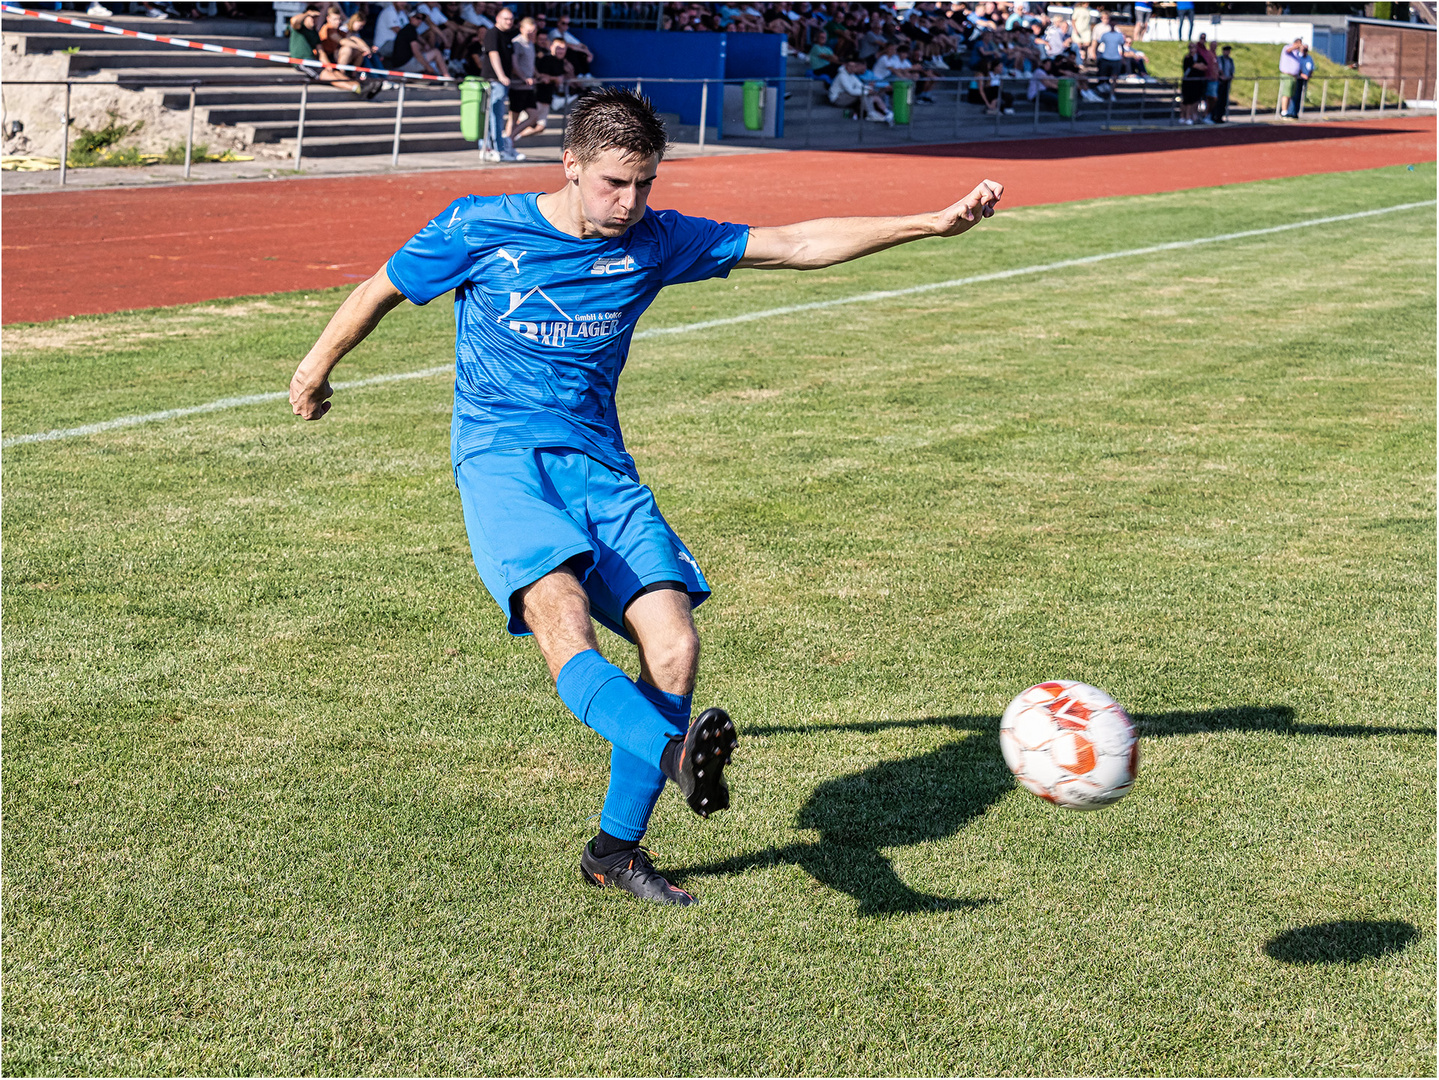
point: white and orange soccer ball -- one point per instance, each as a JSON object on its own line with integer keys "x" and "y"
{"x": 1070, "y": 743}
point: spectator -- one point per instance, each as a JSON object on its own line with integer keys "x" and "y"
{"x": 991, "y": 89}
{"x": 849, "y": 91}
{"x": 387, "y": 25}
{"x": 492, "y": 58}
{"x": 1226, "y": 77}
{"x": 341, "y": 42}
{"x": 1142, "y": 10}
{"x": 1288, "y": 74}
{"x": 1109, "y": 45}
{"x": 1186, "y": 14}
{"x": 579, "y": 54}
{"x": 1044, "y": 86}
{"x": 306, "y": 44}
{"x": 476, "y": 17}
{"x": 522, "y": 80}
{"x": 552, "y": 78}
{"x": 409, "y": 52}
{"x": 1191, "y": 86}
{"x": 1136, "y": 63}
{"x": 822, "y": 61}
{"x": 1082, "y": 22}
{"x": 1301, "y": 82}
{"x": 1211, "y": 78}
{"x": 1057, "y": 39}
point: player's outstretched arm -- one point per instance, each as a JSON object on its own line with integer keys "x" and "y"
{"x": 810, "y": 245}
{"x": 358, "y": 315}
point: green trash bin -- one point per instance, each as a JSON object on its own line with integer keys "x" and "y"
{"x": 901, "y": 97}
{"x": 1068, "y": 97}
{"x": 753, "y": 105}
{"x": 473, "y": 93}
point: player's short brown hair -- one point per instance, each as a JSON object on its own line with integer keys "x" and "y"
{"x": 614, "y": 118}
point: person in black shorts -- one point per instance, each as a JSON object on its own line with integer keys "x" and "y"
{"x": 522, "y": 80}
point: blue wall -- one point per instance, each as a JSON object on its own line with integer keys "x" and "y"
{"x": 655, "y": 54}
{"x": 623, "y": 54}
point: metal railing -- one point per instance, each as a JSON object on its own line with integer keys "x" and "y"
{"x": 1151, "y": 102}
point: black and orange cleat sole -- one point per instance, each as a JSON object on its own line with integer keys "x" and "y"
{"x": 709, "y": 745}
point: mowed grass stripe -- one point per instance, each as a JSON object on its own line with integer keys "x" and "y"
{"x": 709, "y": 324}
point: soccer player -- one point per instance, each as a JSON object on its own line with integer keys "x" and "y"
{"x": 548, "y": 288}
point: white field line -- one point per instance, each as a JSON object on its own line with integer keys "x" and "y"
{"x": 212, "y": 406}
{"x": 730, "y": 320}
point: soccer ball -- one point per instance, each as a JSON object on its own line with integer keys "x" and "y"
{"x": 1070, "y": 743}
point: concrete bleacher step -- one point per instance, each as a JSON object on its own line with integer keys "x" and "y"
{"x": 418, "y": 143}
{"x": 350, "y": 109}
{"x": 159, "y": 58}
{"x": 31, "y": 43}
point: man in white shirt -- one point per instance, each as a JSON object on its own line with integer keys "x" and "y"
{"x": 387, "y": 25}
{"x": 849, "y": 91}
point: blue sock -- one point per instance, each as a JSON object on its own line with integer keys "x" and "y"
{"x": 603, "y": 698}
{"x": 634, "y": 786}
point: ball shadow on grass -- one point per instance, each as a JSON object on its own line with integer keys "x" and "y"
{"x": 1347, "y": 941}
{"x": 934, "y": 795}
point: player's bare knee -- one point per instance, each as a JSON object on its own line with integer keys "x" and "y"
{"x": 670, "y": 662}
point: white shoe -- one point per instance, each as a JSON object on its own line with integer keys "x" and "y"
{"x": 156, "y": 13}
{"x": 98, "y": 10}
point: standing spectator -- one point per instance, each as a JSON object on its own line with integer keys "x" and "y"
{"x": 1288, "y": 74}
{"x": 579, "y": 54}
{"x": 522, "y": 80}
{"x": 496, "y": 63}
{"x": 1142, "y": 10}
{"x": 1083, "y": 23}
{"x": 1211, "y": 78}
{"x": 1226, "y": 77}
{"x": 1186, "y": 12}
{"x": 1191, "y": 86}
{"x": 1301, "y": 82}
{"x": 408, "y": 52}
{"x": 822, "y": 61}
{"x": 1110, "y": 47}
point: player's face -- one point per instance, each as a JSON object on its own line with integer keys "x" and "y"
{"x": 614, "y": 189}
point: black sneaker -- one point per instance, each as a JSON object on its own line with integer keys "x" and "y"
{"x": 708, "y": 745}
{"x": 633, "y": 872}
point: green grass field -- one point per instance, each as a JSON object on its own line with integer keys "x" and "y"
{"x": 1251, "y": 61}
{"x": 281, "y": 796}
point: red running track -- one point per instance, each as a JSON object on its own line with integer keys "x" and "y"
{"x": 85, "y": 252}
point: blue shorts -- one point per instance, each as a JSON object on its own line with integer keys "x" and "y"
{"x": 528, "y": 512}
{"x": 1211, "y": 88}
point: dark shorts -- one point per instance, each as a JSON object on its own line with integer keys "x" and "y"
{"x": 522, "y": 98}
{"x": 1109, "y": 68}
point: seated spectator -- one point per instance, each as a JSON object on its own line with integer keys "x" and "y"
{"x": 1044, "y": 86}
{"x": 1136, "y": 63}
{"x": 992, "y": 94}
{"x": 343, "y": 43}
{"x": 410, "y": 52}
{"x": 387, "y": 25}
{"x": 473, "y": 15}
{"x": 553, "y": 74}
{"x": 848, "y": 91}
{"x": 306, "y": 44}
{"x": 822, "y": 61}
{"x": 579, "y": 55}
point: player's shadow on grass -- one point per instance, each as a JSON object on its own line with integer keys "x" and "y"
{"x": 934, "y": 795}
{"x": 1346, "y": 942}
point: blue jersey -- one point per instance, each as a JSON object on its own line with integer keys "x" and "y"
{"x": 543, "y": 319}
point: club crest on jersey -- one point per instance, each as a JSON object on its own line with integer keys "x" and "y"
{"x": 616, "y": 264}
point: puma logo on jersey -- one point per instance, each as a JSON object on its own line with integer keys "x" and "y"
{"x": 613, "y": 265}
{"x": 513, "y": 260}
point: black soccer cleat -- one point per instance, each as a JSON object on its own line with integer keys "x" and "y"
{"x": 707, "y": 749}
{"x": 632, "y": 871}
